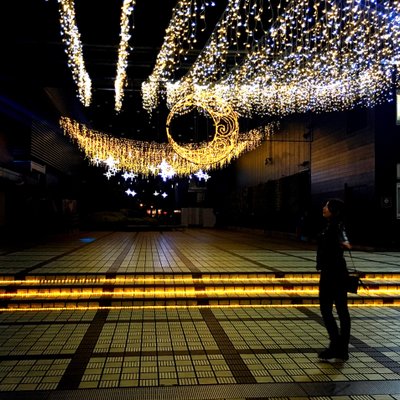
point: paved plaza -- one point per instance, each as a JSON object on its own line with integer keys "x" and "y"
{"x": 226, "y": 315}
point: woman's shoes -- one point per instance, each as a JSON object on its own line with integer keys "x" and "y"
{"x": 333, "y": 355}
{"x": 327, "y": 354}
{"x": 342, "y": 355}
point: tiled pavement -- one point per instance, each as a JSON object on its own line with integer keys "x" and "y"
{"x": 204, "y": 349}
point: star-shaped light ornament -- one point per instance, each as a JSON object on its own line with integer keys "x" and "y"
{"x": 114, "y": 170}
{"x": 206, "y": 177}
{"x": 97, "y": 160}
{"x": 164, "y": 195}
{"x": 167, "y": 172}
{"x": 155, "y": 193}
{"x": 129, "y": 175}
{"x": 108, "y": 174}
{"x": 110, "y": 161}
{"x": 130, "y": 192}
{"x": 202, "y": 175}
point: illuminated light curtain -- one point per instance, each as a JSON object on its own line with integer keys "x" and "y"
{"x": 71, "y": 38}
{"x": 317, "y": 56}
{"x": 123, "y": 53}
{"x": 231, "y": 34}
{"x": 180, "y": 36}
{"x": 143, "y": 157}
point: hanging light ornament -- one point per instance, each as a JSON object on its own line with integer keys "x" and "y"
{"x": 71, "y": 38}
{"x": 144, "y": 157}
{"x": 120, "y": 80}
{"x": 180, "y": 36}
{"x": 317, "y": 56}
{"x": 232, "y": 35}
{"x": 226, "y": 129}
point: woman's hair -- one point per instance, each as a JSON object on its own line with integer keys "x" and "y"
{"x": 336, "y": 207}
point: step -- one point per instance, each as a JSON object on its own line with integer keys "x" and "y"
{"x": 128, "y": 290}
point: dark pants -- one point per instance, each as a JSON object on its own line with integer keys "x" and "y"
{"x": 332, "y": 291}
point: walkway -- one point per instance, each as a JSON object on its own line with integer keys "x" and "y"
{"x": 193, "y": 314}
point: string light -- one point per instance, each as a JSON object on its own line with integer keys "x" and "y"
{"x": 232, "y": 31}
{"x": 226, "y": 129}
{"x": 142, "y": 157}
{"x": 180, "y": 36}
{"x": 120, "y": 80}
{"x": 316, "y": 56}
{"x": 71, "y": 37}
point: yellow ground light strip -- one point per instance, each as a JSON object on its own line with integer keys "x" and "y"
{"x": 173, "y": 292}
{"x": 145, "y": 281}
{"x": 177, "y": 306}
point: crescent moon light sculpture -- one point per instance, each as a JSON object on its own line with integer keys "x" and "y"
{"x": 226, "y": 129}
{"x": 143, "y": 157}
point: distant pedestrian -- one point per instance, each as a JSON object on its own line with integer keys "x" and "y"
{"x": 332, "y": 285}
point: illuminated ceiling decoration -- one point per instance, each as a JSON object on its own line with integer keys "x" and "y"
{"x": 166, "y": 171}
{"x": 226, "y": 129}
{"x": 142, "y": 157}
{"x": 129, "y": 175}
{"x": 316, "y": 56}
{"x": 235, "y": 33}
{"x": 120, "y": 80}
{"x": 180, "y": 37}
{"x": 202, "y": 175}
{"x": 71, "y": 37}
{"x": 130, "y": 192}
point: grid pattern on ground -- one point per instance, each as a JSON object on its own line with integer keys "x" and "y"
{"x": 61, "y": 352}
{"x": 181, "y": 347}
{"x": 168, "y": 252}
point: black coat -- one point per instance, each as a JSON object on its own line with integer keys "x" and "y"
{"x": 330, "y": 258}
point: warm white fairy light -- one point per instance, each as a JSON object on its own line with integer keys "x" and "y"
{"x": 143, "y": 157}
{"x": 317, "y": 56}
{"x": 232, "y": 32}
{"x": 71, "y": 38}
{"x": 226, "y": 129}
{"x": 180, "y": 36}
{"x": 120, "y": 80}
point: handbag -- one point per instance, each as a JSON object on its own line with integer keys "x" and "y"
{"x": 353, "y": 281}
{"x": 354, "y": 278}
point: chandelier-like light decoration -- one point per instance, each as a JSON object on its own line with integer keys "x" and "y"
{"x": 226, "y": 129}
{"x": 120, "y": 80}
{"x": 71, "y": 37}
{"x": 321, "y": 55}
{"x": 180, "y": 36}
{"x": 237, "y": 29}
{"x": 142, "y": 157}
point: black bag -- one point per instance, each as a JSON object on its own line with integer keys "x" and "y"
{"x": 353, "y": 281}
{"x": 354, "y": 278}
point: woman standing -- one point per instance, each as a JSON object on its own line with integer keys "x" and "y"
{"x": 332, "y": 285}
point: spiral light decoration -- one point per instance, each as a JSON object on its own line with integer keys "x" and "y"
{"x": 226, "y": 129}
